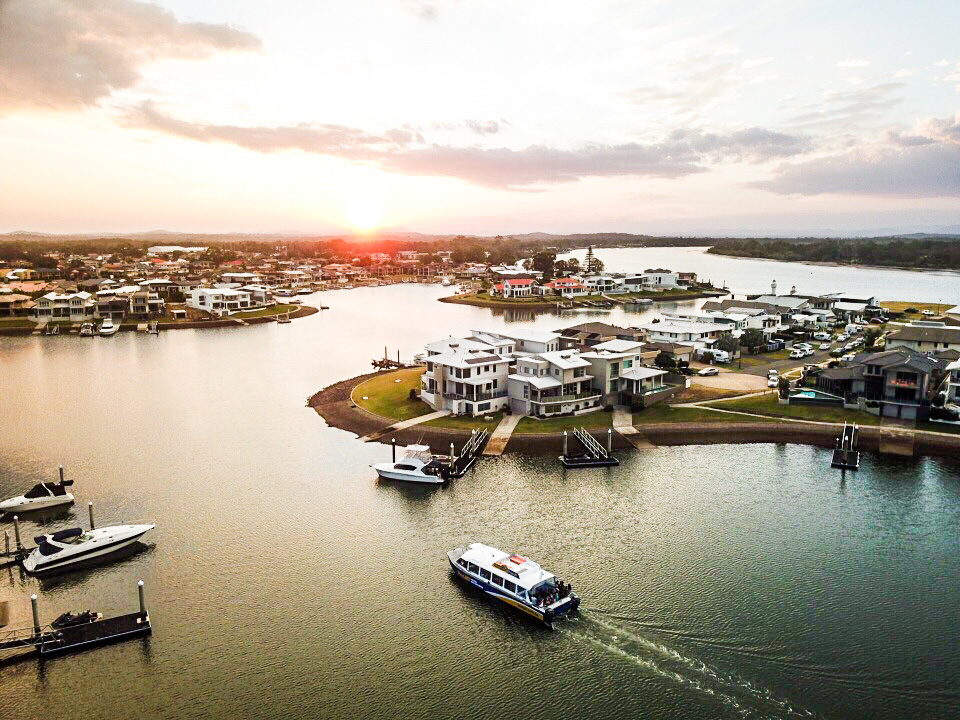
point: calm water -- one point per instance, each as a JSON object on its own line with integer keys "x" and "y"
{"x": 284, "y": 582}
{"x": 754, "y": 276}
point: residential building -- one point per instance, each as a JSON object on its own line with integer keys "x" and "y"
{"x": 529, "y": 341}
{"x": 698, "y": 334}
{"x": 568, "y": 287}
{"x": 219, "y": 301}
{"x": 678, "y": 352}
{"x": 925, "y": 336}
{"x": 603, "y": 284}
{"x": 610, "y": 360}
{"x": 953, "y": 382}
{"x": 73, "y": 306}
{"x": 593, "y": 333}
{"x": 514, "y": 288}
{"x": 465, "y": 376}
{"x": 552, "y": 383}
{"x": 899, "y": 380}
{"x": 651, "y": 280}
{"x": 12, "y": 304}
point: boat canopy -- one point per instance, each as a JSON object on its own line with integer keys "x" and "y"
{"x": 39, "y": 490}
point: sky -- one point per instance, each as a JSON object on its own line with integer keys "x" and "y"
{"x": 480, "y": 116}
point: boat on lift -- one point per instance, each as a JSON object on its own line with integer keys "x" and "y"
{"x": 416, "y": 464}
{"x": 40, "y": 496}
{"x": 86, "y": 329}
{"x": 514, "y": 580}
{"x": 107, "y": 328}
{"x": 69, "y": 547}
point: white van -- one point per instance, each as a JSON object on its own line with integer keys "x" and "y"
{"x": 852, "y": 329}
{"x": 719, "y": 356}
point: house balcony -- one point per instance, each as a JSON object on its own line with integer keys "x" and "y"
{"x": 903, "y": 383}
{"x": 554, "y": 399}
{"x": 476, "y": 397}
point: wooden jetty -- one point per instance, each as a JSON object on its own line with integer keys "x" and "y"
{"x": 50, "y": 640}
{"x": 387, "y": 363}
{"x": 845, "y": 454}
{"x": 592, "y": 453}
{"x": 455, "y": 465}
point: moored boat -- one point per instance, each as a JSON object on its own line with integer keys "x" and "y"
{"x": 107, "y": 327}
{"x": 86, "y": 329}
{"x": 40, "y": 496}
{"x": 68, "y": 547}
{"x": 416, "y": 464}
{"x": 514, "y": 580}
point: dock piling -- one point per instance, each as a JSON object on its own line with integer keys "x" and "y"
{"x": 565, "y": 442}
{"x": 453, "y": 454}
{"x": 393, "y": 450}
{"x": 36, "y": 614}
{"x": 609, "y": 440}
{"x": 61, "y": 474}
{"x": 143, "y": 603}
{"x": 6, "y": 543}
{"x": 16, "y": 532}
{"x": 90, "y": 513}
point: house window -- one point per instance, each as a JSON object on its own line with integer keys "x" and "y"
{"x": 483, "y": 406}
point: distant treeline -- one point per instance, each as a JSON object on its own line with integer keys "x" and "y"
{"x": 940, "y": 254}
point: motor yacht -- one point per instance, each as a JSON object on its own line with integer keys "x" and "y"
{"x": 40, "y": 496}
{"x": 514, "y": 580}
{"x": 67, "y": 547}
{"x": 86, "y": 329}
{"x": 107, "y": 327}
{"x": 416, "y": 464}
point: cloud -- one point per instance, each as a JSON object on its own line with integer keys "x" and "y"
{"x": 478, "y": 127}
{"x": 423, "y": 9}
{"x": 844, "y": 107}
{"x": 924, "y": 163}
{"x": 403, "y": 150}
{"x": 66, "y": 54}
{"x": 853, "y": 63}
{"x": 702, "y": 82}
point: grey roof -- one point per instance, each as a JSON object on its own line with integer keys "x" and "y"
{"x": 926, "y": 333}
{"x": 900, "y": 356}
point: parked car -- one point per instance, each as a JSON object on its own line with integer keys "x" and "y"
{"x": 708, "y": 372}
{"x": 797, "y": 354}
{"x": 773, "y": 381}
{"x": 773, "y": 372}
{"x": 808, "y": 352}
{"x": 836, "y": 353}
{"x": 848, "y": 357}
{"x": 824, "y": 346}
{"x": 775, "y": 345}
{"x": 821, "y": 336}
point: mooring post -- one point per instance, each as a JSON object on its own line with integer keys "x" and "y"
{"x": 451, "y": 455}
{"x": 143, "y": 603}
{"x": 16, "y": 532}
{"x": 90, "y": 513}
{"x": 6, "y": 542}
{"x": 36, "y": 614}
{"x": 564, "y": 443}
{"x": 609, "y": 440}
{"x": 61, "y": 474}
{"x": 393, "y": 449}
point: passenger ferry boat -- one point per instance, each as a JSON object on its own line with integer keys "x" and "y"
{"x": 516, "y": 580}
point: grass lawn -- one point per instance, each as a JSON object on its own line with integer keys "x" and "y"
{"x": 591, "y": 421}
{"x": 939, "y": 427}
{"x": 16, "y": 322}
{"x": 263, "y": 312}
{"x": 900, "y": 306}
{"x": 389, "y": 398}
{"x": 465, "y": 422}
{"x": 665, "y": 414}
{"x": 762, "y": 358}
{"x": 768, "y": 405}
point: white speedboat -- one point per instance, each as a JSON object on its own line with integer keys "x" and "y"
{"x": 514, "y": 580}
{"x": 67, "y": 547}
{"x": 304, "y": 291}
{"x": 416, "y": 464}
{"x": 107, "y": 327}
{"x": 86, "y": 329}
{"x": 40, "y": 496}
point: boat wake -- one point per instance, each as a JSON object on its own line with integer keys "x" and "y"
{"x": 741, "y": 696}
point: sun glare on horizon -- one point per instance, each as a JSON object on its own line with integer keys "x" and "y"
{"x": 363, "y": 212}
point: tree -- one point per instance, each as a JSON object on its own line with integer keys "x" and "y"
{"x": 591, "y": 264}
{"x": 784, "y": 387}
{"x": 753, "y": 338}
{"x": 665, "y": 361}
{"x": 727, "y": 343}
{"x": 543, "y": 262}
{"x": 871, "y": 336}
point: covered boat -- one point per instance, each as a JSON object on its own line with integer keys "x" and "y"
{"x": 514, "y": 580}
{"x": 66, "y": 547}
{"x": 40, "y": 496}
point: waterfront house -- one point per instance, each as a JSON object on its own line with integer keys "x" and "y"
{"x": 953, "y": 382}
{"x": 926, "y": 336}
{"x": 953, "y": 313}
{"x": 898, "y": 380}
{"x": 568, "y": 287}
{"x": 514, "y": 288}
{"x": 219, "y": 301}
{"x": 73, "y": 306}
{"x": 677, "y": 352}
{"x": 552, "y": 383}
{"x": 529, "y": 341}
{"x": 465, "y": 376}
{"x": 593, "y": 333}
{"x": 15, "y": 304}
{"x": 650, "y": 280}
{"x": 610, "y": 360}
{"x": 603, "y": 284}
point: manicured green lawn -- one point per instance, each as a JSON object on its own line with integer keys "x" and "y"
{"x": 591, "y": 421}
{"x": 16, "y": 322}
{"x": 768, "y": 405}
{"x": 263, "y": 312}
{"x": 465, "y": 422}
{"x": 389, "y": 398}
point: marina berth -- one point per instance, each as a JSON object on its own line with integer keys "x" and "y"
{"x": 514, "y": 580}
{"x": 67, "y": 547}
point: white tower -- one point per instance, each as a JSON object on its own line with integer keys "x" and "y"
{"x": 793, "y": 290}
{"x": 773, "y": 288}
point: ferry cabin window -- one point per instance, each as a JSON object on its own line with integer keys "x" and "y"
{"x": 485, "y": 574}
{"x": 462, "y": 563}
{"x": 497, "y": 580}
{"x": 510, "y": 586}
{"x": 473, "y": 568}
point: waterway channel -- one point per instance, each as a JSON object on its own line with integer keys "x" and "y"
{"x": 284, "y": 582}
